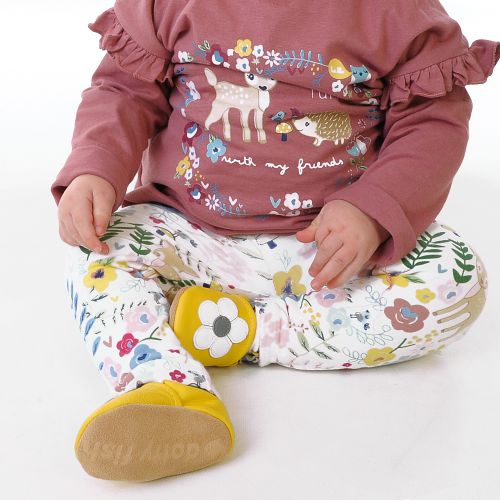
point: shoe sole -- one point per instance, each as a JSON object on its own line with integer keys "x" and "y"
{"x": 173, "y": 306}
{"x": 139, "y": 442}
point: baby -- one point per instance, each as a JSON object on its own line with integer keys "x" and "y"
{"x": 291, "y": 158}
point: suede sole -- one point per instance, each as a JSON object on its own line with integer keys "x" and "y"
{"x": 173, "y": 306}
{"x": 143, "y": 442}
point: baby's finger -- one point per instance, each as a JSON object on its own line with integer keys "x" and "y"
{"x": 72, "y": 230}
{"x": 337, "y": 263}
{"x": 321, "y": 233}
{"x": 101, "y": 212}
{"x": 66, "y": 235}
{"x": 331, "y": 244}
{"x": 82, "y": 221}
{"x": 346, "y": 275}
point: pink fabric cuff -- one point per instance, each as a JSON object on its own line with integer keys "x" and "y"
{"x": 382, "y": 207}
{"x": 96, "y": 161}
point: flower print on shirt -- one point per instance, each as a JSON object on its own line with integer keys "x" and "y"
{"x": 258, "y": 65}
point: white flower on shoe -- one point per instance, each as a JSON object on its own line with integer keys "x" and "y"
{"x": 221, "y": 327}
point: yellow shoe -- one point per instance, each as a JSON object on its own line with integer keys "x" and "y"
{"x": 157, "y": 430}
{"x": 215, "y": 327}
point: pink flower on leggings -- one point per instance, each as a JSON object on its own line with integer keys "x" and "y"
{"x": 448, "y": 292}
{"x": 275, "y": 334}
{"x": 177, "y": 375}
{"x": 111, "y": 370}
{"x": 326, "y": 296}
{"x": 139, "y": 319}
{"x": 307, "y": 250}
{"x": 126, "y": 344}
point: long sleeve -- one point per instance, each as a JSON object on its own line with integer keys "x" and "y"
{"x": 425, "y": 132}
{"x": 406, "y": 187}
{"x": 127, "y": 102}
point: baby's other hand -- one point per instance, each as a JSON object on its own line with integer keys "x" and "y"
{"x": 346, "y": 238}
{"x": 84, "y": 211}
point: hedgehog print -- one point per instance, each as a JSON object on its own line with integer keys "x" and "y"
{"x": 325, "y": 126}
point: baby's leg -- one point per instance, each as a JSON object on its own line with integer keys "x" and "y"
{"x": 412, "y": 307}
{"x": 118, "y": 302}
{"x": 120, "y": 306}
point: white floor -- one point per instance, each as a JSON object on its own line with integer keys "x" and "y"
{"x": 424, "y": 429}
{"x": 427, "y": 429}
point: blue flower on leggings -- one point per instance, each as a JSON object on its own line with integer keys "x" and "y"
{"x": 142, "y": 354}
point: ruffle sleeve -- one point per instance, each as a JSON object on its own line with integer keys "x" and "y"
{"x": 126, "y": 52}
{"x": 435, "y": 80}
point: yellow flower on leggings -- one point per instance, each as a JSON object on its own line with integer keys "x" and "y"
{"x": 425, "y": 295}
{"x": 375, "y": 356}
{"x": 99, "y": 275}
{"x": 287, "y": 283}
{"x": 391, "y": 280}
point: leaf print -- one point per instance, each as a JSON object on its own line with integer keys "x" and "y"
{"x": 88, "y": 326}
{"x": 414, "y": 279}
{"x": 71, "y": 292}
{"x": 115, "y": 227}
{"x": 82, "y": 315}
{"x": 100, "y": 297}
{"x": 321, "y": 354}
{"x": 460, "y": 278}
{"x": 462, "y": 252}
{"x": 303, "y": 340}
{"x": 143, "y": 237}
{"x": 334, "y": 349}
{"x": 75, "y": 303}
{"x": 300, "y": 59}
{"x": 205, "y": 46}
{"x": 95, "y": 345}
{"x": 317, "y": 330}
{"x": 430, "y": 248}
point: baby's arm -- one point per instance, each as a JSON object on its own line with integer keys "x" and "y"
{"x": 406, "y": 187}
{"x": 125, "y": 106}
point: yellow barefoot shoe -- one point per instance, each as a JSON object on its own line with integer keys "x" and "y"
{"x": 157, "y": 430}
{"x": 215, "y": 327}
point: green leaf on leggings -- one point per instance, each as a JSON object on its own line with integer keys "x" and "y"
{"x": 465, "y": 267}
{"x": 459, "y": 278}
{"x": 429, "y": 247}
{"x": 461, "y": 251}
{"x": 414, "y": 279}
{"x": 334, "y": 349}
{"x": 303, "y": 340}
{"x": 138, "y": 251}
{"x": 321, "y": 354}
{"x": 317, "y": 330}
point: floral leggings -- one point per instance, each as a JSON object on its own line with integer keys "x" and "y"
{"x": 410, "y": 308}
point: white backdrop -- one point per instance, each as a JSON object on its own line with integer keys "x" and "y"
{"x": 421, "y": 430}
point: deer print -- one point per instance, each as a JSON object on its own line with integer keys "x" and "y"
{"x": 255, "y": 96}
{"x": 472, "y": 304}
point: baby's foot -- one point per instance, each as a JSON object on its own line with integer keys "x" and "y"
{"x": 157, "y": 430}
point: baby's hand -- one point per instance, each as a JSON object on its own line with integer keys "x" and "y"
{"x": 84, "y": 212}
{"x": 346, "y": 238}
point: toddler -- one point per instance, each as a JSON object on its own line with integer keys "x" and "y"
{"x": 291, "y": 158}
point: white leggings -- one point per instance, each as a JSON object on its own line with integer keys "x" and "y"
{"x": 406, "y": 310}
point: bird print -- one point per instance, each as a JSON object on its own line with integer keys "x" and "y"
{"x": 279, "y": 116}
